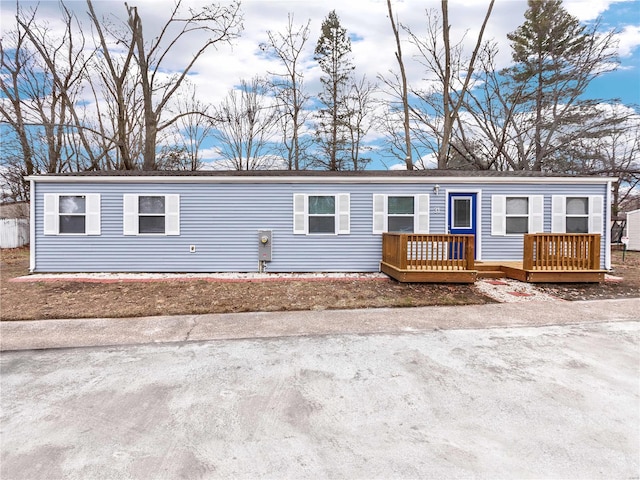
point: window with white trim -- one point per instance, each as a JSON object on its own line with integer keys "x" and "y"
{"x": 400, "y": 213}
{"x": 322, "y": 214}
{"x": 151, "y": 214}
{"x": 577, "y": 214}
{"x": 71, "y": 214}
{"x": 462, "y": 215}
{"x": 517, "y": 214}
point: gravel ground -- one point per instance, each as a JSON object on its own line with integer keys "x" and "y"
{"x": 231, "y": 276}
{"x": 506, "y": 290}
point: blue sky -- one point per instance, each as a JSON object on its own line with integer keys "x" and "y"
{"x": 625, "y": 82}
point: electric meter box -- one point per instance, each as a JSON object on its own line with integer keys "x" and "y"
{"x": 264, "y": 245}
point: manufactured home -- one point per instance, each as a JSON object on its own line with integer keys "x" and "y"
{"x": 428, "y": 225}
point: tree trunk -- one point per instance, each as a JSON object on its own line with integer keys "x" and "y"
{"x": 405, "y": 98}
{"x": 443, "y": 152}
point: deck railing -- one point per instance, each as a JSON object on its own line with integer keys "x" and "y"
{"x": 561, "y": 251}
{"x": 412, "y": 251}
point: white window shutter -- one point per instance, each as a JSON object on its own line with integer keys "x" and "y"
{"x": 536, "y": 214}
{"x": 92, "y": 204}
{"x": 172, "y": 214}
{"x": 558, "y": 214}
{"x": 379, "y": 213}
{"x": 421, "y": 214}
{"x": 130, "y": 215}
{"x": 595, "y": 213}
{"x": 344, "y": 213}
{"x": 498, "y": 212}
{"x": 51, "y": 223}
{"x": 299, "y": 214}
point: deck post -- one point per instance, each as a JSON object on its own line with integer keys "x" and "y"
{"x": 403, "y": 239}
{"x": 469, "y": 252}
{"x": 594, "y": 252}
{"x": 527, "y": 254}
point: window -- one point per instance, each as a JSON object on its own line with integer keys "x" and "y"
{"x": 461, "y": 212}
{"x": 517, "y": 215}
{"x": 401, "y": 213}
{"x": 151, "y": 215}
{"x": 71, "y": 214}
{"x": 321, "y": 214}
{"x": 577, "y": 214}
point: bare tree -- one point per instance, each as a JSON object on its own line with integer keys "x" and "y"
{"x": 489, "y": 133}
{"x": 148, "y": 61}
{"x": 291, "y": 95}
{"x": 192, "y": 128}
{"x": 43, "y": 76}
{"x": 615, "y": 152}
{"x": 17, "y": 68}
{"x": 245, "y": 126}
{"x": 403, "y": 91}
{"x": 359, "y": 107}
{"x": 120, "y": 87}
{"x": 453, "y": 77}
{"x": 65, "y": 63}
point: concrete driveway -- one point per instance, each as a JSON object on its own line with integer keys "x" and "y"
{"x": 528, "y": 402}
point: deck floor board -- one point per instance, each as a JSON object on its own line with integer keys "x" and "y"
{"x": 509, "y": 269}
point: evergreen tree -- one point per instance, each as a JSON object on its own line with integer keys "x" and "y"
{"x": 333, "y": 54}
{"x": 555, "y": 60}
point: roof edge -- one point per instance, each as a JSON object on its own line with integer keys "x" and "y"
{"x": 309, "y": 179}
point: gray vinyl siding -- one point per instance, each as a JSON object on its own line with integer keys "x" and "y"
{"x": 509, "y": 247}
{"x": 222, "y": 221}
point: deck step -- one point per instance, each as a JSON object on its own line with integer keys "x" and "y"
{"x": 491, "y": 274}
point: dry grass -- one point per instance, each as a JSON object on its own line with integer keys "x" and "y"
{"x": 66, "y": 299}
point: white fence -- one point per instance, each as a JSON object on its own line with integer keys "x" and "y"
{"x": 14, "y": 232}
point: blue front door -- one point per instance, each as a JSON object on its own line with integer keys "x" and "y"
{"x": 462, "y": 219}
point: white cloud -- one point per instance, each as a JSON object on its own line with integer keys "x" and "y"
{"x": 586, "y": 10}
{"x": 628, "y": 40}
{"x": 210, "y": 155}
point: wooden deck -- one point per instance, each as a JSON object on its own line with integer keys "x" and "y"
{"x": 428, "y": 258}
{"x": 548, "y": 258}
{"x": 516, "y": 270}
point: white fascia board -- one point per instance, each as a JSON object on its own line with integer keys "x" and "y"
{"x": 32, "y": 226}
{"x": 607, "y": 228}
{"x": 322, "y": 179}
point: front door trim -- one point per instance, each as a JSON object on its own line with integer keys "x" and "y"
{"x": 478, "y": 193}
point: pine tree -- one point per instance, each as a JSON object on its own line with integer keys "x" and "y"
{"x": 333, "y": 54}
{"x": 555, "y": 60}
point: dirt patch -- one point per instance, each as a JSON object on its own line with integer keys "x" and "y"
{"x": 73, "y": 299}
